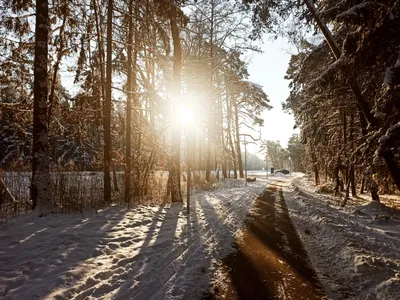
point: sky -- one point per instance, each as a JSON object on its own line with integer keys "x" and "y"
{"x": 268, "y": 70}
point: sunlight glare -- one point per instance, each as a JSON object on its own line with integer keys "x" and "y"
{"x": 186, "y": 115}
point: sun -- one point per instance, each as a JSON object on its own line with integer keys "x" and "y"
{"x": 186, "y": 116}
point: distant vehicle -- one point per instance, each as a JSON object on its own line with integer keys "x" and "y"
{"x": 283, "y": 171}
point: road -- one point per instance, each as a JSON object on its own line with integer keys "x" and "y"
{"x": 270, "y": 261}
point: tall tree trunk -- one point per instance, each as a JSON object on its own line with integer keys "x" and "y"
{"x": 352, "y": 172}
{"x": 175, "y": 168}
{"x": 229, "y": 120}
{"x": 128, "y": 134}
{"x": 107, "y": 107}
{"x": 41, "y": 193}
{"x": 222, "y": 139}
{"x": 315, "y": 165}
{"x": 346, "y": 172}
{"x": 352, "y": 181}
{"x": 349, "y": 169}
{"x": 115, "y": 179}
{"x": 346, "y": 197}
{"x": 362, "y": 185}
{"x": 193, "y": 155}
{"x": 224, "y": 171}
{"x": 336, "y": 177}
{"x": 209, "y": 112}
{"x": 137, "y": 172}
{"x": 99, "y": 35}
{"x": 373, "y": 188}
{"x": 238, "y": 152}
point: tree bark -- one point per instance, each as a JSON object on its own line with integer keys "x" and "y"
{"x": 238, "y": 152}
{"x": 107, "y": 107}
{"x": 209, "y": 112}
{"x": 128, "y": 134}
{"x": 315, "y": 165}
{"x": 229, "y": 120}
{"x": 336, "y": 176}
{"x": 41, "y": 193}
{"x": 137, "y": 138}
{"x": 362, "y": 185}
{"x": 175, "y": 168}
{"x": 99, "y": 35}
{"x": 352, "y": 172}
{"x": 115, "y": 180}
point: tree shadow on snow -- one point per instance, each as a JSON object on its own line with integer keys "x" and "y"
{"x": 147, "y": 271}
{"x": 38, "y": 254}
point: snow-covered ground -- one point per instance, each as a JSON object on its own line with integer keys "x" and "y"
{"x": 143, "y": 253}
{"x": 355, "y": 250}
{"x": 159, "y": 252}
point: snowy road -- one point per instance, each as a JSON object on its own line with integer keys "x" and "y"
{"x": 142, "y": 253}
{"x": 270, "y": 261}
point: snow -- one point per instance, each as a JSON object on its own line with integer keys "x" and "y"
{"x": 148, "y": 252}
{"x": 160, "y": 252}
{"x": 280, "y": 175}
{"x": 384, "y": 140}
{"x": 393, "y": 129}
{"x": 354, "y": 250}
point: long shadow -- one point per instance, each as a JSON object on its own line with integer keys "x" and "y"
{"x": 192, "y": 260}
{"x": 214, "y": 226}
{"x": 297, "y": 257}
{"x": 270, "y": 261}
{"x": 142, "y": 272}
{"x": 279, "y": 235}
{"x": 194, "y": 234}
{"x": 244, "y": 280}
{"x": 152, "y": 229}
{"x": 48, "y": 248}
{"x": 215, "y": 223}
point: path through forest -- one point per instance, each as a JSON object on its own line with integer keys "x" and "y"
{"x": 270, "y": 261}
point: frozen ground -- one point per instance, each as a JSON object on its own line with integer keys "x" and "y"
{"x": 161, "y": 253}
{"x": 355, "y": 250}
{"x": 141, "y": 253}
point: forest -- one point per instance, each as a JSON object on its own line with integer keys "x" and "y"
{"x": 131, "y": 85}
{"x": 141, "y": 111}
{"x": 122, "y": 78}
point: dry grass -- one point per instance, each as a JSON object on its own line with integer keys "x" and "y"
{"x": 79, "y": 191}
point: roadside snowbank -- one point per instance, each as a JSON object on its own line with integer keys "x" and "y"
{"x": 354, "y": 250}
{"x": 143, "y": 253}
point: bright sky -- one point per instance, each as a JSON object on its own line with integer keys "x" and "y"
{"x": 268, "y": 69}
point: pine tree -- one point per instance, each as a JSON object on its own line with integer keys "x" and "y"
{"x": 41, "y": 192}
